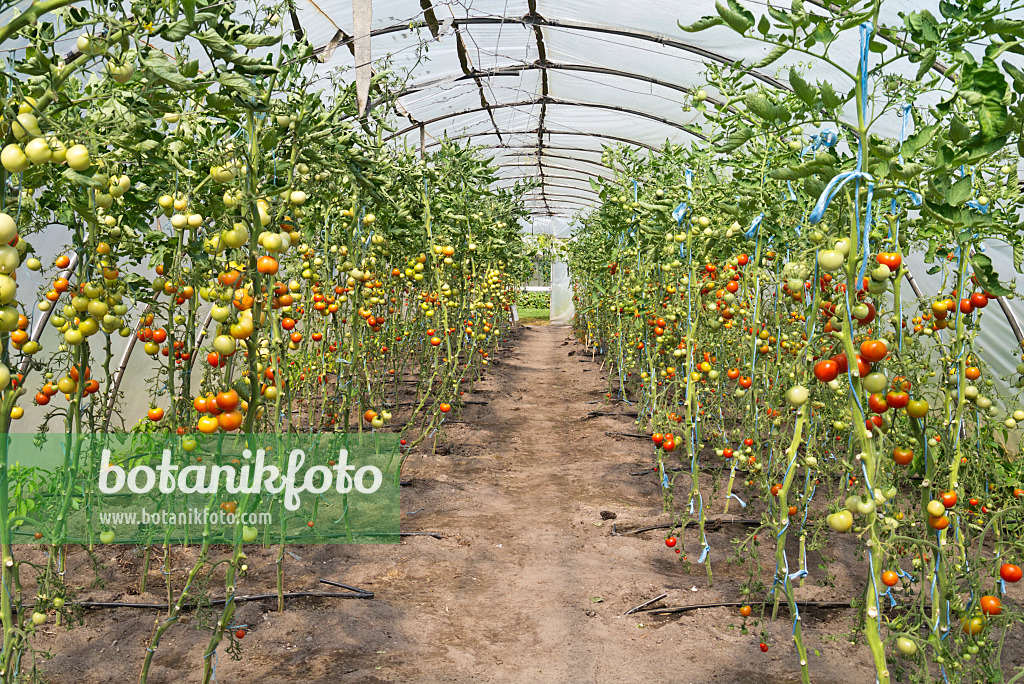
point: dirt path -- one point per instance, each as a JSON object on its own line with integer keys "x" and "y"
{"x": 527, "y": 583}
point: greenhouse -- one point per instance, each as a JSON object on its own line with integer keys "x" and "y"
{"x": 518, "y": 341}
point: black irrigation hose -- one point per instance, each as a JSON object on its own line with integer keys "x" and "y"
{"x": 627, "y": 434}
{"x": 466, "y": 402}
{"x": 356, "y": 593}
{"x": 679, "y": 469}
{"x": 708, "y": 522}
{"x": 738, "y": 604}
{"x": 648, "y": 471}
{"x": 644, "y": 604}
{"x": 596, "y": 414}
{"x": 435, "y": 535}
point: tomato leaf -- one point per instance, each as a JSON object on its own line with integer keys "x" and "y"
{"x": 906, "y": 171}
{"x": 960, "y": 191}
{"x": 158, "y": 65}
{"x": 255, "y": 40}
{"x": 176, "y": 31}
{"x": 735, "y": 15}
{"x": 146, "y": 146}
{"x": 928, "y": 57}
{"x": 761, "y": 107}
{"x": 801, "y": 170}
{"x": 772, "y": 56}
{"x": 239, "y": 83}
{"x": 992, "y": 117}
{"x": 958, "y": 130}
{"x": 80, "y": 179}
{"x": 190, "y": 10}
{"x": 701, "y": 24}
{"x": 804, "y": 90}
{"x": 987, "y": 277}
{"x": 829, "y": 98}
{"x": 736, "y": 139}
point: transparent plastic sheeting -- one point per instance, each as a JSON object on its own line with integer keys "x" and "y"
{"x": 558, "y": 227}
{"x": 562, "y": 308}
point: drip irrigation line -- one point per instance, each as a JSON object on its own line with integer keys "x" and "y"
{"x": 627, "y": 434}
{"x": 644, "y": 604}
{"x": 354, "y": 593}
{"x": 648, "y": 471}
{"x": 597, "y": 414}
{"x": 679, "y": 469}
{"x": 435, "y": 535}
{"x": 414, "y": 403}
{"x": 335, "y": 583}
{"x": 712, "y": 522}
{"x": 737, "y": 604}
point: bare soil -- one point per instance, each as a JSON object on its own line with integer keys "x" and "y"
{"x": 527, "y": 583}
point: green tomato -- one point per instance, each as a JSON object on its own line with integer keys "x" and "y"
{"x": 840, "y": 521}
{"x": 905, "y": 646}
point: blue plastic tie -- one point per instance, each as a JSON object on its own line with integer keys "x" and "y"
{"x": 754, "y": 226}
{"x": 680, "y": 213}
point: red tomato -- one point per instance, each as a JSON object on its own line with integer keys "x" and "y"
{"x": 227, "y": 401}
{"x": 873, "y": 350}
{"x": 670, "y": 542}
{"x": 840, "y": 361}
{"x": 902, "y": 455}
{"x": 891, "y": 259}
{"x": 890, "y": 578}
{"x": 949, "y": 499}
{"x": 877, "y": 403}
{"x": 897, "y": 400}
{"x": 764, "y": 647}
{"x": 990, "y": 605}
{"x": 1010, "y": 572}
{"x": 826, "y": 370}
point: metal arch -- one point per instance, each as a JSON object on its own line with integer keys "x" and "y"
{"x": 514, "y": 69}
{"x": 545, "y": 92}
{"x": 569, "y": 197}
{"x": 564, "y": 199}
{"x": 559, "y": 157}
{"x": 543, "y": 101}
{"x": 523, "y": 149}
{"x": 533, "y": 19}
{"x": 568, "y": 187}
{"x": 541, "y": 187}
{"x": 602, "y": 167}
{"x": 521, "y": 176}
{"x": 586, "y": 174}
{"x": 605, "y": 136}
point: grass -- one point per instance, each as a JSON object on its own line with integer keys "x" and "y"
{"x": 534, "y": 316}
